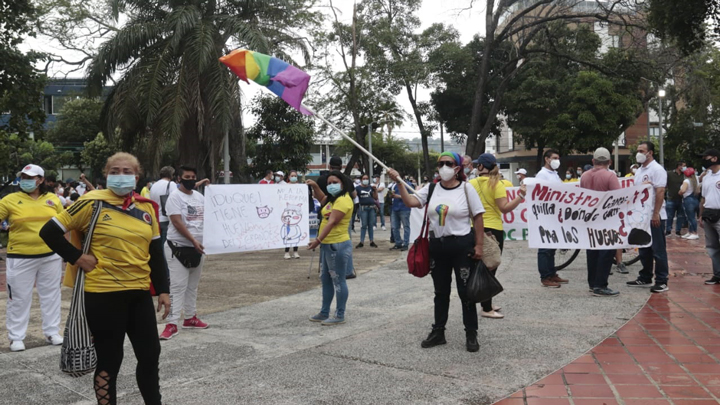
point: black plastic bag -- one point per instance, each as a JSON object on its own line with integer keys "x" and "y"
{"x": 481, "y": 284}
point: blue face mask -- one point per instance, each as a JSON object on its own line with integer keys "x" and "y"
{"x": 293, "y": 179}
{"x": 365, "y": 182}
{"x": 121, "y": 184}
{"x": 334, "y": 189}
{"x": 28, "y": 185}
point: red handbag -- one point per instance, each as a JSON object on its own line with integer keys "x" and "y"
{"x": 418, "y": 258}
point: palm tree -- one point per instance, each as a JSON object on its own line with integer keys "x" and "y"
{"x": 391, "y": 115}
{"x": 172, "y": 88}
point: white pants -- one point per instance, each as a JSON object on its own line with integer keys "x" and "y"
{"x": 22, "y": 274}
{"x": 183, "y": 287}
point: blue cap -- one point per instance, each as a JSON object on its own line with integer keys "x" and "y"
{"x": 487, "y": 160}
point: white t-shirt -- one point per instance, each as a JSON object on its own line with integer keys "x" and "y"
{"x": 192, "y": 210}
{"x": 383, "y": 193}
{"x": 655, "y": 175}
{"x": 80, "y": 189}
{"x": 690, "y": 188}
{"x": 546, "y": 174}
{"x": 158, "y": 189}
{"x": 711, "y": 190}
{"x": 448, "y": 210}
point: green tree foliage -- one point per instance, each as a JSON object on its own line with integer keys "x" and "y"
{"x": 686, "y": 22}
{"x": 173, "y": 87}
{"x": 696, "y": 126}
{"x": 96, "y": 152}
{"x": 19, "y": 150}
{"x": 558, "y": 103}
{"x": 21, "y": 85}
{"x": 78, "y": 122}
{"x": 391, "y": 151}
{"x": 400, "y": 53}
{"x": 281, "y": 139}
{"x": 457, "y": 74}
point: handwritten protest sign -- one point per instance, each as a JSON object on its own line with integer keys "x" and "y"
{"x": 563, "y": 216}
{"x": 240, "y": 218}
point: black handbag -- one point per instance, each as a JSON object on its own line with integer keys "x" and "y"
{"x": 188, "y": 256}
{"x": 481, "y": 284}
{"x": 711, "y": 215}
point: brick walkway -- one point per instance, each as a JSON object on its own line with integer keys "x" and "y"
{"x": 669, "y": 353}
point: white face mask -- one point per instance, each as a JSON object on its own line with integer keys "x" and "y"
{"x": 634, "y": 170}
{"x": 555, "y": 163}
{"x": 640, "y": 157}
{"x": 446, "y": 173}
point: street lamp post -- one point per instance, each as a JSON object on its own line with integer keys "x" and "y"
{"x": 661, "y": 96}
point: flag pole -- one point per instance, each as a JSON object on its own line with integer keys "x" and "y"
{"x": 352, "y": 141}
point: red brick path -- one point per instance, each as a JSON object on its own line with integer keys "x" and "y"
{"x": 669, "y": 353}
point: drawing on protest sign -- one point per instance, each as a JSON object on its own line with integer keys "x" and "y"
{"x": 564, "y": 216}
{"x": 241, "y": 218}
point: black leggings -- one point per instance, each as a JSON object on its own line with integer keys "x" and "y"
{"x": 287, "y": 249}
{"x": 446, "y": 255}
{"x": 498, "y": 234}
{"x": 110, "y": 316}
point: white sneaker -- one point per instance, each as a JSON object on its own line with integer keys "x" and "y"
{"x": 55, "y": 340}
{"x": 287, "y": 256}
{"x": 685, "y": 236}
{"x": 693, "y": 236}
{"x": 296, "y": 255}
{"x": 383, "y": 228}
{"x": 17, "y": 346}
{"x": 374, "y": 227}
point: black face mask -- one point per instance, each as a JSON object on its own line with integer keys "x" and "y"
{"x": 707, "y": 164}
{"x": 188, "y": 184}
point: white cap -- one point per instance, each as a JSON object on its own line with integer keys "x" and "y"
{"x": 279, "y": 173}
{"x": 521, "y": 171}
{"x": 32, "y": 170}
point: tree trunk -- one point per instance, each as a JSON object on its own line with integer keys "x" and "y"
{"x": 539, "y": 156}
{"x": 476, "y": 121}
{"x": 423, "y": 133}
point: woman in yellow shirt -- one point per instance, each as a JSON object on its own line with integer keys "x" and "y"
{"x": 125, "y": 255}
{"x": 29, "y": 261}
{"x": 494, "y": 198}
{"x": 335, "y": 245}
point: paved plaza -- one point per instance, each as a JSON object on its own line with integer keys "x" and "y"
{"x": 260, "y": 348}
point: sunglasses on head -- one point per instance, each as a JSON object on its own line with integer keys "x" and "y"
{"x": 445, "y": 163}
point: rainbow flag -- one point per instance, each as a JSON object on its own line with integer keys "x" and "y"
{"x": 286, "y": 81}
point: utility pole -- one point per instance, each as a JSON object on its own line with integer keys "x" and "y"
{"x": 442, "y": 138}
{"x": 226, "y": 157}
{"x": 661, "y": 98}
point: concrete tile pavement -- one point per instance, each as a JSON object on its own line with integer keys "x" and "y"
{"x": 669, "y": 353}
{"x": 269, "y": 353}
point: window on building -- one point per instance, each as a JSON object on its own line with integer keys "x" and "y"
{"x": 47, "y": 104}
{"x": 58, "y": 102}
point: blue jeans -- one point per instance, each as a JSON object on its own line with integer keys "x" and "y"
{"x": 691, "y": 204}
{"x": 672, "y": 208}
{"x": 350, "y": 265}
{"x": 367, "y": 219}
{"x": 599, "y": 263}
{"x": 335, "y": 258}
{"x": 398, "y": 218}
{"x": 382, "y": 214}
{"x": 657, "y": 253}
{"x": 546, "y": 263}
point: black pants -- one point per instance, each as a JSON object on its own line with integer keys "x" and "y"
{"x": 448, "y": 254}
{"x": 498, "y": 234}
{"x": 599, "y": 264}
{"x": 110, "y": 316}
{"x": 287, "y": 249}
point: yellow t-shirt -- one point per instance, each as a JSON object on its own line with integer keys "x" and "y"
{"x": 506, "y": 183}
{"x": 26, "y": 217}
{"x": 630, "y": 175}
{"x": 339, "y": 233}
{"x": 120, "y": 242}
{"x": 492, "y": 218}
{"x": 145, "y": 192}
{"x": 573, "y": 180}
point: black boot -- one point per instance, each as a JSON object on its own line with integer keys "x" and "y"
{"x": 435, "y": 338}
{"x": 472, "y": 343}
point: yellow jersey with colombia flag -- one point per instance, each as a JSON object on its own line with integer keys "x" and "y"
{"x": 120, "y": 242}
{"x": 26, "y": 217}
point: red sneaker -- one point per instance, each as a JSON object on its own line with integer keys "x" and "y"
{"x": 194, "y": 323}
{"x": 170, "y": 330}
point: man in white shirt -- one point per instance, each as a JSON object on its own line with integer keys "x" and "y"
{"x": 468, "y": 167}
{"x": 546, "y": 257}
{"x": 710, "y": 210}
{"x": 521, "y": 174}
{"x": 279, "y": 177}
{"x": 184, "y": 252}
{"x": 159, "y": 192}
{"x": 382, "y": 191}
{"x": 651, "y": 172}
